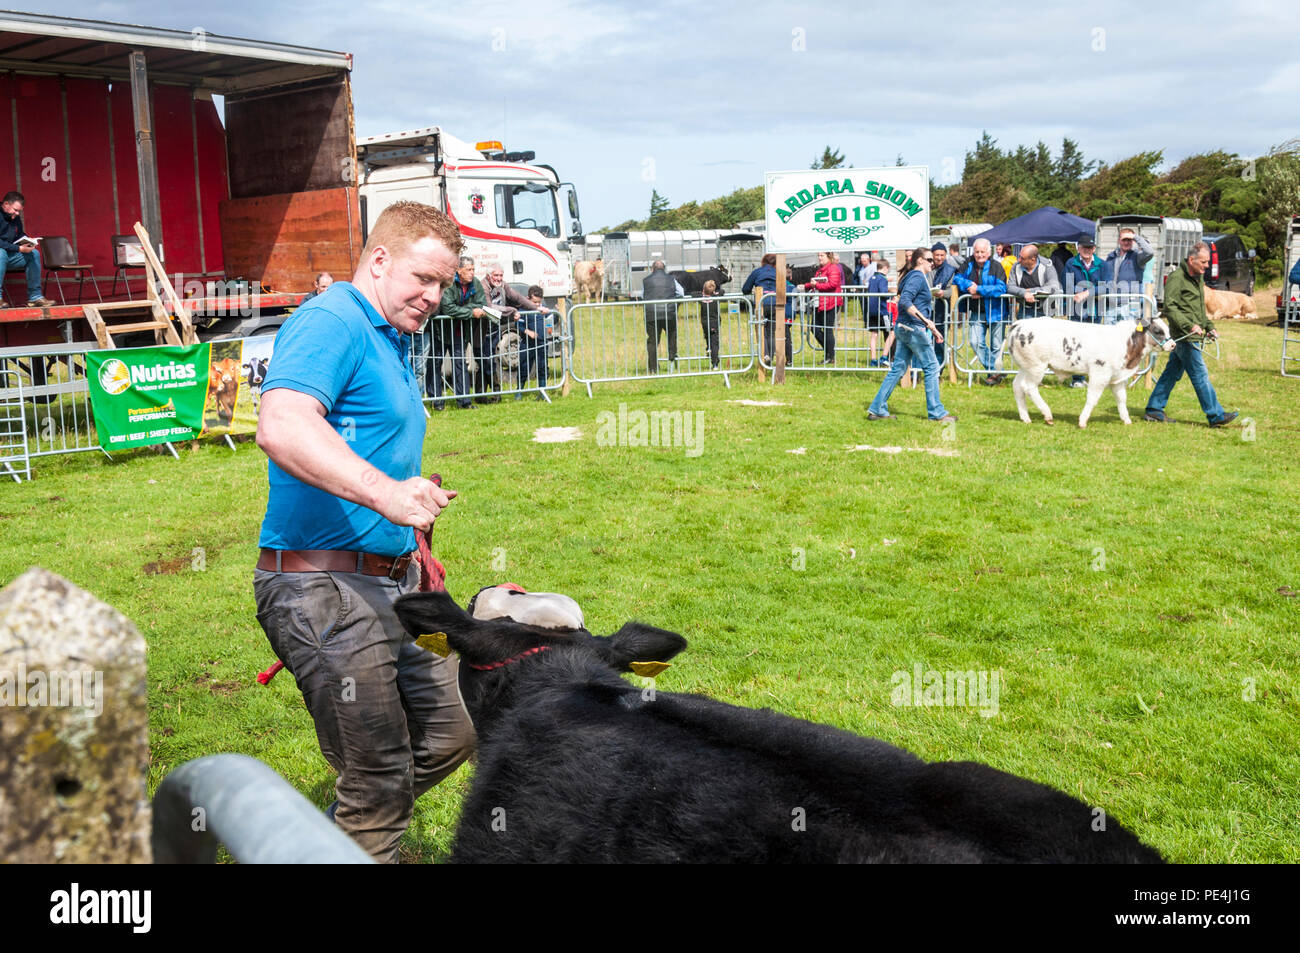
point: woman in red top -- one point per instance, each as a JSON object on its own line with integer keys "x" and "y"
{"x": 828, "y": 278}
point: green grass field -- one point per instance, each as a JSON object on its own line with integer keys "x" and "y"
{"x": 1133, "y": 587}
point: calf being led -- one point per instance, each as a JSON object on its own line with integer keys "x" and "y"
{"x": 1110, "y": 354}
{"x": 576, "y": 764}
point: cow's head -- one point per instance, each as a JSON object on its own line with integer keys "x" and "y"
{"x": 1158, "y": 330}
{"x": 725, "y": 275}
{"x": 226, "y": 372}
{"x": 507, "y": 629}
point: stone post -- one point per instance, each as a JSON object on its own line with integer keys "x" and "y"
{"x": 74, "y": 727}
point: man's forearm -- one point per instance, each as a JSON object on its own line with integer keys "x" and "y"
{"x": 306, "y": 447}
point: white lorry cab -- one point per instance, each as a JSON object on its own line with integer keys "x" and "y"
{"x": 512, "y": 213}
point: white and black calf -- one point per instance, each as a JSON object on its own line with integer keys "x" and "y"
{"x": 576, "y": 764}
{"x": 1109, "y": 354}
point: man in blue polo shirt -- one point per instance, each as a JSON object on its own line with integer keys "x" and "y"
{"x": 342, "y": 424}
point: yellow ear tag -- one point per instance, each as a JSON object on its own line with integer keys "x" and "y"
{"x": 1140, "y": 328}
{"x": 435, "y": 642}
{"x": 648, "y": 669}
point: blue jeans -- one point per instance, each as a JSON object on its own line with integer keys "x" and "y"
{"x": 447, "y": 336}
{"x": 29, "y": 262}
{"x": 911, "y": 346}
{"x": 532, "y": 352}
{"x": 990, "y": 354}
{"x": 1186, "y": 356}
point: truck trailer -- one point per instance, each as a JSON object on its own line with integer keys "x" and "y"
{"x": 241, "y": 160}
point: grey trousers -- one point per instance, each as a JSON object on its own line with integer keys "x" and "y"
{"x": 388, "y": 714}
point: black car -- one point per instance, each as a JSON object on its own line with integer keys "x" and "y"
{"x": 1232, "y": 266}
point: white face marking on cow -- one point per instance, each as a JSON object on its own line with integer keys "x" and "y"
{"x": 546, "y": 610}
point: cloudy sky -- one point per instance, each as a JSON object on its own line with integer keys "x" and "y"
{"x": 698, "y": 100}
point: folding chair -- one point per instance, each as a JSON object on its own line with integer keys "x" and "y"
{"x": 127, "y": 253}
{"x": 57, "y": 254}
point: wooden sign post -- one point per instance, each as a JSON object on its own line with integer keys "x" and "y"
{"x": 778, "y": 318}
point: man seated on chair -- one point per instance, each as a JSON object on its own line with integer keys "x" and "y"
{"x": 20, "y": 256}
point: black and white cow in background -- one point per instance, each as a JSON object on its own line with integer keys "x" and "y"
{"x": 692, "y": 282}
{"x": 1110, "y": 354}
{"x": 257, "y": 367}
{"x": 577, "y": 764}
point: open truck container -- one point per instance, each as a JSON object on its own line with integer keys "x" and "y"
{"x": 114, "y": 124}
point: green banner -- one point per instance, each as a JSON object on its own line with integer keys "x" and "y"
{"x": 147, "y": 395}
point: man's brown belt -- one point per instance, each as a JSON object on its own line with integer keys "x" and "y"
{"x": 333, "y": 560}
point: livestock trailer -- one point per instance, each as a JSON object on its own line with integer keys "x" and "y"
{"x": 1288, "y": 302}
{"x": 1290, "y": 294}
{"x": 739, "y": 253}
{"x": 1171, "y": 238}
{"x": 618, "y": 269}
{"x": 960, "y": 233}
{"x": 585, "y": 247}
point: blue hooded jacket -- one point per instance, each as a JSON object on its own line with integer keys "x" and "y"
{"x": 992, "y": 284}
{"x": 764, "y": 276}
{"x": 878, "y": 284}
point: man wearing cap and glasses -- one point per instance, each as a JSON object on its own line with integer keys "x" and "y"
{"x": 1126, "y": 264}
{"x": 1086, "y": 277}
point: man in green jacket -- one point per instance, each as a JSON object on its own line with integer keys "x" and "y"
{"x": 1185, "y": 311}
{"x": 450, "y": 327}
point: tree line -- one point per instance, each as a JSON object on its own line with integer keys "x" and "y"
{"x": 1253, "y": 197}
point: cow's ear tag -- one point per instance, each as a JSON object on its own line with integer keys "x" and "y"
{"x": 648, "y": 669}
{"x": 435, "y": 642}
{"x": 1141, "y": 328}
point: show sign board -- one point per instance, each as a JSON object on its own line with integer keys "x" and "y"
{"x": 843, "y": 209}
{"x": 147, "y": 395}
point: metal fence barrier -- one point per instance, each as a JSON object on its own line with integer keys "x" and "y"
{"x": 852, "y": 337}
{"x": 56, "y": 408}
{"x": 14, "y": 456}
{"x": 982, "y": 347}
{"x": 628, "y": 341}
{"x": 238, "y": 801}
{"x": 480, "y": 359}
{"x": 1290, "y": 337}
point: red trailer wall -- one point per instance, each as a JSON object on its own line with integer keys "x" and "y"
{"x": 79, "y": 174}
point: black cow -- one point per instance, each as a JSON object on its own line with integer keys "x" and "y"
{"x": 692, "y": 282}
{"x": 802, "y": 274}
{"x": 577, "y": 764}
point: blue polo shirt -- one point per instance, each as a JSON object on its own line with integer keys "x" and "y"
{"x": 340, "y": 350}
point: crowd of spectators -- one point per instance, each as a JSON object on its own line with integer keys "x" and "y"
{"x": 983, "y": 292}
{"x": 481, "y": 315}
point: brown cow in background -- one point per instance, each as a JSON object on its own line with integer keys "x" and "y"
{"x": 223, "y": 389}
{"x": 589, "y": 279}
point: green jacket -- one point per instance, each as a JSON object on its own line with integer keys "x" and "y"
{"x": 457, "y": 304}
{"x": 1185, "y": 302}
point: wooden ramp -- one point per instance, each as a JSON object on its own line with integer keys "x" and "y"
{"x": 147, "y": 315}
{"x": 133, "y": 316}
